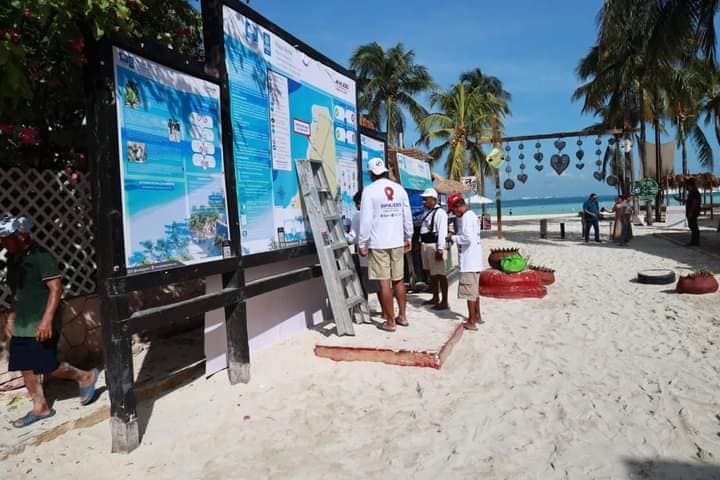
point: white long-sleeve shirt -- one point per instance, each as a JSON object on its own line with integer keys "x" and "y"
{"x": 468, "y": 242}
{"x": 353, "y": 236}
{"x": 441, "y": 225}
{"x": 385, "y": 217}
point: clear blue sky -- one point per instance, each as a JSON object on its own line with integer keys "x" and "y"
{"x": 532, "y": 46}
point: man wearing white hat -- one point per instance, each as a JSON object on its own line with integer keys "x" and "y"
{"x": 385, "y": 231}
{"x": 34, "y": 320}
{"x": 433, "y": 230}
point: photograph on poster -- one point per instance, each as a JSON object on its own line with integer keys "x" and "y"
{"x": 284, "y": 106}
{"x": 171, "y": 166}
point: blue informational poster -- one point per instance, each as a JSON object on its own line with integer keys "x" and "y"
{"x": 414, "y": 174}
{"x": 171, "y": 165}
{"x": 284, "y": 106}
{"x": 370, "y": 148}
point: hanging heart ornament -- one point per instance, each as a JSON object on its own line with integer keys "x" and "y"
{"x": 522, "y": 177}
{"x": 539, "y": 167}
{"x": 580, "y": 165}
{"x": 598, "y": 176}
{"x": 509, "y": 184}
{"x": 560, "y": 163}
{"x": 538, "y": 156}
{"x": 580, "y": 154}
{"x": 559, "y": 144}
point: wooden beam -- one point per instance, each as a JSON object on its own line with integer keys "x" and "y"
{"x": 548, "y": 136}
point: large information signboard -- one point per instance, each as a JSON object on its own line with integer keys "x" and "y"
{"x": 414, "y": 174}
{"x": 171, "y": 165}
{"x": 370, "y": 148}
{"x": 284, "y": 106}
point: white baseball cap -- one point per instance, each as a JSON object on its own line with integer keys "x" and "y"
{"x": 10, "y": 225}
{"x": 377, "y": 166}
{"x": 430, "y": 193}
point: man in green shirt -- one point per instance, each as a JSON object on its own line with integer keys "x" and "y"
{"x": 34, "y": 321}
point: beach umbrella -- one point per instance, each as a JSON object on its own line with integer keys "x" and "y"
{"x": 479, "y": 200}
{"x": 446, "y": 187}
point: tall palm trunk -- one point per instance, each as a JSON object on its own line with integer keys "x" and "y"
{"x": 643, "y": 133}
{"x": 683, "y": 144}
{"x": 388, "y": 121}
{"x": 658, "y": 155}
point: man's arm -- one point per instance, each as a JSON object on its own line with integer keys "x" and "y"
{"x": 9, "y": 322}
{"x": 366, "y": 219}
{"x": 407, "y": 222}
{"x": 44, "y": 330}
{"x": 442, "y": 230}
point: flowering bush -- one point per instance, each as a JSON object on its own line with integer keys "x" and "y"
{"x": 47, "y": 49}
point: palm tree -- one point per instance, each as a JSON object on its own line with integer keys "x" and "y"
{"x": 388, "y": 81}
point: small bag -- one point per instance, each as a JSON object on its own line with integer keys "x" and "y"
{"x": 513, "y": 263}
{"x": 431, "y": 236}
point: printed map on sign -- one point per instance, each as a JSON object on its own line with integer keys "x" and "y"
{"x": 285, "y": 106}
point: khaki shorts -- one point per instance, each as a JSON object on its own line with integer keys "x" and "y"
{"x": 469, "y": 286}
{"x": 429, "y": 263}
{"x": 386, "y": 264}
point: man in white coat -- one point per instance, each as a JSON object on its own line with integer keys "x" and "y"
{"x": 386, "y": 228}
{"x": 467, "y": 239}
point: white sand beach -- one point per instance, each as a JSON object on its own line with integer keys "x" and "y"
{"x": 604, "y": 378}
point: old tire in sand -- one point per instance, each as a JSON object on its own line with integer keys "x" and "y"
{"x": 656, "y": 276}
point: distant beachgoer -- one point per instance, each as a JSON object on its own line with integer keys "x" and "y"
{"x": 433, "y": 232}
{"x": 692, "y": 211}
{"x": 617, "y": 210}
{"x": 510, "y": 213}
{"x": 386, "y": 227}
{"x": 467, "y": 239}
{"x": 591, "y": 216}
{"x": 35, "y": 319}
{"x": 352, "y": 237}
{"x": 626, "y": 213}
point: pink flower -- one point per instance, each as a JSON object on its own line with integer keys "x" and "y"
{"x": 78, "y": 44}
{"x": 5, "y": 129}
{"x": 28, "y": 136}
{"x": 28, "y": 13}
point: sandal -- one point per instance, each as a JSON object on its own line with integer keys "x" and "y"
{"x": 31, "y": 418}
{"x": 386, "y": 327}
{"x": 87, "y": 394}
{"x": 470, "y": 326}
{"x": 402, "y": 323}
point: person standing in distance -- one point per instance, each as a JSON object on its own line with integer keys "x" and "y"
{"x": 591, "y": 214}
{"x": 35, "y": 320}
{"x": 467, "y": 239}
{"x": 692, "y": 211}
{"x": 433, "y": 232}
{"x": 386, "y": 228}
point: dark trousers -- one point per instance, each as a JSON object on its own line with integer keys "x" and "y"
{"x": 595, "y": 225}
{"x": 694, "y": 230}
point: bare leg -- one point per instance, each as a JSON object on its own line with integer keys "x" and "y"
{"x": 67, "y": 372}
{"x": 34, "y": 386}
{"x": 399, "y": 288}
{"x": 443, "y": 287}
{"x": 433, "y": 287}
{"x": 386, "y": 301}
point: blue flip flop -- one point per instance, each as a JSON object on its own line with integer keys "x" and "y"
{"x": 31, "y": 418}
{"x": 88, "y": 393}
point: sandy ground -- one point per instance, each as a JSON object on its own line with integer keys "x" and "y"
{"x": 604, "y": 378}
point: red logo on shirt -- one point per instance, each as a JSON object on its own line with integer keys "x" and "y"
{"x": 389, "y": 193}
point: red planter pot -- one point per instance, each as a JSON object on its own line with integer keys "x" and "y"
{"x": 697, "y": 285}
{"x": 498, "y": 284}
{"x": 498, "y": 254}
{"x": 546, "y": 278}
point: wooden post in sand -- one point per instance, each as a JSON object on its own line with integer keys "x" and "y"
{"x": 498, "y": 200}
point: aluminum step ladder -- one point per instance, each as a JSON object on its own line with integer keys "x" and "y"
{"x": 342, "y": 282}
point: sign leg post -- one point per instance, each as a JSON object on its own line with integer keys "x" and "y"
{"x": 119, "y": 376}
{"x": 238, "y": 343}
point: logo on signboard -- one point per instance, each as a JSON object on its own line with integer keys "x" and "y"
{"x": 389, "y": 194}
{"x": 251, "y": 32}
{"x": 266, "y": 44}
{"x": 128, "y": 60}
{"x": 342, "y": 86}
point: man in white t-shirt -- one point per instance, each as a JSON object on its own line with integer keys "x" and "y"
{"x": 433, "y": 232}
{"x": 385, "y": 231}
{"x": 467, "y": 239}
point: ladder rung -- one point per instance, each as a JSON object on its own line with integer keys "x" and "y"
{"x": 323, "y": 190}
{"x": 338, "y": 245}
{"x": 343, "y": 274}
{"x": 316, "y": 161}
{"x": 357, "y": 300}
{"x": 333, "y": 218}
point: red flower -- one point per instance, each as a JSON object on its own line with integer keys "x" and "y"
{"x": 28, "y": 13}
{"x": 13, "y": 35}
{"x": 5, "y": 128}
{"x": 28, "y": 136}
{"x": 78, "y": 44}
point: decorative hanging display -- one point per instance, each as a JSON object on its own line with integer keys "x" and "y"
{"x": 599, "y": 175}
{"x": 560, "y": 161}
{"x": 559, "y": 144}
{"x": 509, "y": 184}
{"x": 495, "y": 158}
{"x": 612, "y": 180}
{"x": 539, "y": 167}
{"x": 522, "y": 176}
{"x": 580, "y": 154}
{"x": 538, "y": 154}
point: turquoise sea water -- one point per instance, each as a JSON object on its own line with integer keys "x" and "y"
{"x": 558, "y": 205}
